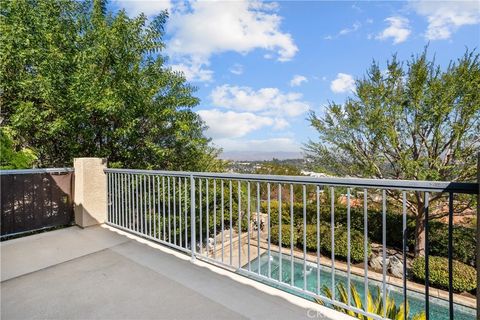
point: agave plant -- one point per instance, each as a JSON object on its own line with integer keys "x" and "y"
{"x": 374, "y": 304}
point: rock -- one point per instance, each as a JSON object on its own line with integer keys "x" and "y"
{"x": 375, "y": 262}
{"x": 395, "y": 267}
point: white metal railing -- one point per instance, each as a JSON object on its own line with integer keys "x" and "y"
{"x": 227, "y": 219}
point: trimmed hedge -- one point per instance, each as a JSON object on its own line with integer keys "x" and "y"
{"x": 341, "y": 241}
{"x": 463, "y": 237}
{"x": 464, "y": 276}
{"x": 285, "y": 235}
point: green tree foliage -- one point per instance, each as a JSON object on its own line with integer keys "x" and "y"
{"x": 11, "y": 158}
{"x": 77, "y": 80}
{"x": 413, "y": 121}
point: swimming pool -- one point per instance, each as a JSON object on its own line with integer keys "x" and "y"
{"x": 438, "y": 307}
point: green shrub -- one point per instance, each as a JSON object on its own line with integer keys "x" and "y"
{"x": 464, "y": 276}
{"x": 311, "y": 236}
{"x": 341, "y": 241}
{"x": 463, "y": 237}
{"x": 464, "y": 245}
{"x": 285, "y": 235}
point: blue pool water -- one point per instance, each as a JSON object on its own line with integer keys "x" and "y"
{"x": 438, "y": 307}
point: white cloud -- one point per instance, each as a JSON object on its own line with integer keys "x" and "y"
{"x": 398, "y": 29}
{"x": 343, "y": 83}
{"x": 205, "y": 28}
{"x": 280, "y": 144}
{"x": 149, "y": 7}
{"x": 193, "y": 71}
{"x": 445, "y": 17}
{"x": 354, "y": 28}
{"x": 267, "y": 101}
{"x": 344, "y": 31}
{"x": 297, "y": 80}
{"x": 232, "y": 124}
{"x": 236, "y": 69}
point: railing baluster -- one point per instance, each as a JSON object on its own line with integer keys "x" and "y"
{"x": 280, "y": 232}
{"x": 450, "y": 254}
{"x": 122, "y": 200}
{"x": 117, "y": 200}
{"x": 258, "y": 226}
{"x": 384, "y": 253}
{"x": 292, "y": 270}
{"x": 192, "y": 217}
{"x": 222, "y": 216}
{"x": 141, "y": 203}
{"x": 207, "y": 216}
{"x": 130, "y": 197}
{"x": 149, "y": 205}
{"x": 349, "y": 293}
{"x": 404, "y": 245}
{"x": 214, "y": 218}
{"x": 318, "y": 240}
{"x": 427, "y": 270}
{"x": 239, "y": 225}
{"x": 159, "y": 221}
{"x": 127, "y": 213}
{"x": 144, "y": 198}
{"x": 231, "y": 223}
{"x": 332, "y": 227}
{"x": 268, "y": 231}
{"x": 248, "y": 225}
{"x": 119, "y": 186}
{"x": 127, "y": 201}
{"x": 109, "y": 197}
{"x": 304, "y": 237}
{"x": 122, "y": 217}
{"x": 200, "y": 207}
{"x": 137, "y": 214}
{"x": 365, "y": 247}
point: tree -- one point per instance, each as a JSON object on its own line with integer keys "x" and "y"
{"x": 77, "y": 80}
{"x": 11, "y": 158}
{"x": 413, "y": 121}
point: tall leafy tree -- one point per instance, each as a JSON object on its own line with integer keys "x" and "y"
{"x": 10, "y": 158}
{"x": 77, "y": 80}
{"x": 411, "y": 121}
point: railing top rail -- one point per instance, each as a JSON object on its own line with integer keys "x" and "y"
{"x": 32, "y": 171}
{"x": 417, "y": 185}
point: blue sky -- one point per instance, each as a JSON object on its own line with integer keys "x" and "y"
{"x": 261, "y": 66}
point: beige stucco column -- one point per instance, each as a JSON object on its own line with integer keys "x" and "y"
{"x": 90, "y": 195}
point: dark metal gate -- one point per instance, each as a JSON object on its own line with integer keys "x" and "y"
{"x": 35, "y": 199}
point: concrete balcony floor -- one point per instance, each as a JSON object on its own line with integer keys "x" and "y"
{"x": 103, "y": 273}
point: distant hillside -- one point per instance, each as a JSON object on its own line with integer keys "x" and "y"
{"x": 259, "y": 156}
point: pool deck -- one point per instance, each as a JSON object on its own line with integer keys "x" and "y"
{"x": 103, "y": 273}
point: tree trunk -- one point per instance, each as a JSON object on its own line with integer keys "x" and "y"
{"x": 420, "y": 233}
